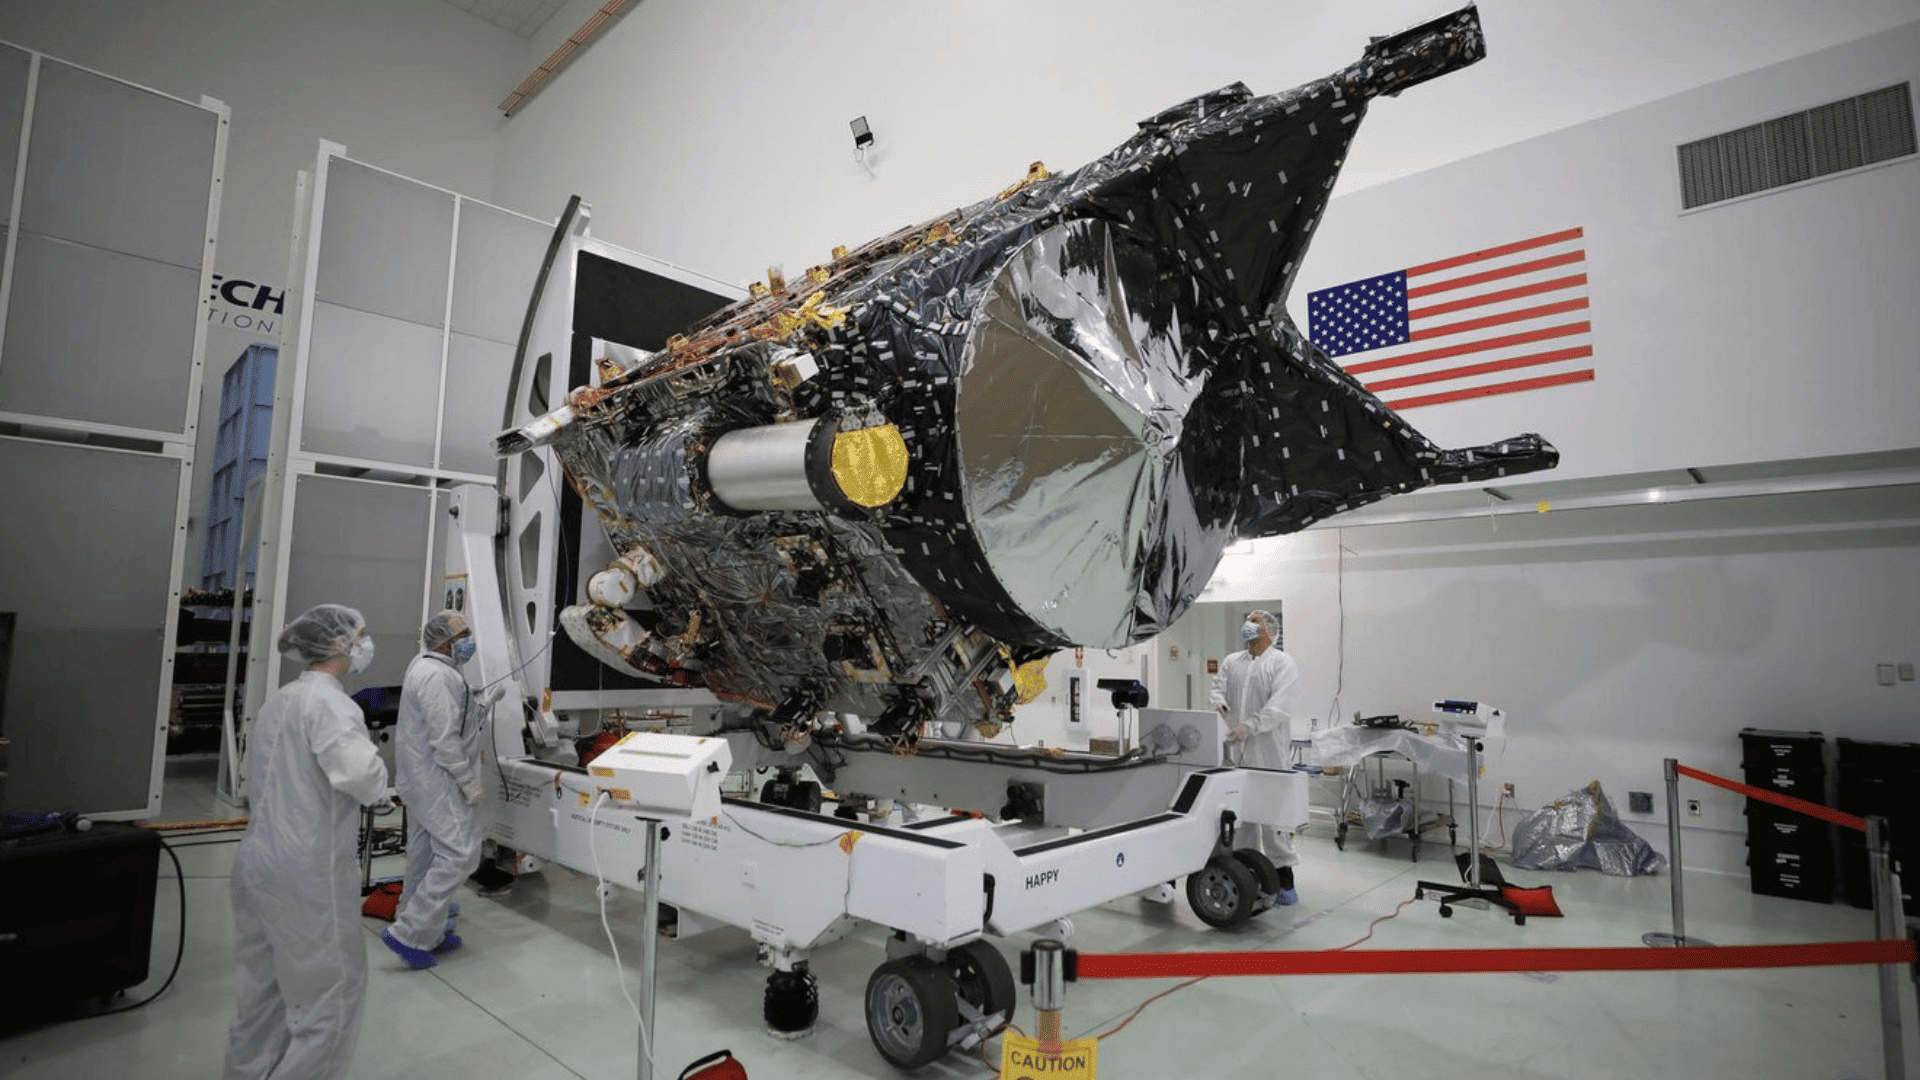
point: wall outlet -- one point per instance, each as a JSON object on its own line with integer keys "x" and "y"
{"x": 1693, "y": 807}
{"x": 1886, "y": 674}
{"x": 1640, "y": 802}
{"x": 1906, "y": 672}
{"x": 1506, "y": 789}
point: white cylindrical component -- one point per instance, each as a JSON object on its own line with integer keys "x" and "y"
{"x": 614, "y": 587}
{"x": 763, "y": 468}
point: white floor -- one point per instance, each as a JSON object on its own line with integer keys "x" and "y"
{"x": 533, "y": 996}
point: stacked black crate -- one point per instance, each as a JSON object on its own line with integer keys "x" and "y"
{"x": 1880, "y": 778}
{"x": 1788, "y": 853}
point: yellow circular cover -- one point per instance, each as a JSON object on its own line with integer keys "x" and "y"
{"x": 870, "y": 465}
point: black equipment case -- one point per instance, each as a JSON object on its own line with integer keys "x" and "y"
{"x": 76, "y": 916}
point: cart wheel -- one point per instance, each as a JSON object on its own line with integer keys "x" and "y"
{"x": 910, "y": 1010}
{"x": 983, "y": 978}
{"x": 1419, "y": 894}
{"x": 1416, "y": 849}
{"x": 1340, "y": 837}
{"x": 1446, "y": 912}
{"x": 1519, "y": 920}
{"x": 1221, "y": 892}
{"x": 1265, "y": 877}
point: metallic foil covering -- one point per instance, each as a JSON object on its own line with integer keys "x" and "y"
{"x": 1579, "y": 830}
{"x": 1029, "y": 680}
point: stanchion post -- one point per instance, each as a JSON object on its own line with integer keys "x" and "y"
{"x": 1679, "y": 938}
{"x": 649, "y": 934}
{"x": 1049, "y": 992}
{"x": 1886, "y": 924}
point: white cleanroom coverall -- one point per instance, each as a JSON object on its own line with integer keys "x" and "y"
{"x": 435, "y": 755}
{"x": 300, "y": 951}
{"x": 1261, "y": 692}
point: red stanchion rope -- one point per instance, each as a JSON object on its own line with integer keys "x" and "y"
{"x": 1824, "y": 813}
{"x": 1474, "y": 961}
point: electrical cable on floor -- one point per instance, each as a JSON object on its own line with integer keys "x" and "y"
{"x": 179, "y": 948}
{"x": 1199, "y": 978}
{"x": 981, "y": 1046}
{"x": 1115, "y": 1030}
{"x": 1371, "y": 925}
{"x": 601, "y": 889}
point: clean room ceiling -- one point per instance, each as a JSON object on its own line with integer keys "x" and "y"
{"x": 523, "y": 17}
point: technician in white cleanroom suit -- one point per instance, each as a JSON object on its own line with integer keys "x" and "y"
{"x": 436, "y": 757}
{"x": 1255, "y": 691}
{"x": 301, "y": 954}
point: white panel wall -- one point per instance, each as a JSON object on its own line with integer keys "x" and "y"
{"x": 409, "y": 83}
{"x": 1774, "y": 327}
{"x": 107, "y": 237}
{"x": 406, "y": 313}
{"x": 1614, "y": 638}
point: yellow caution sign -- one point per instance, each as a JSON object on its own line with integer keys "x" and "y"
{"x": 1022, "y": 1059}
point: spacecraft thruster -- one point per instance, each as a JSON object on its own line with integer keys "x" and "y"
{"x": 892, "y": 486}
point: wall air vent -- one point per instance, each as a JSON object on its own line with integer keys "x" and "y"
{"x": 1847, "y": 134}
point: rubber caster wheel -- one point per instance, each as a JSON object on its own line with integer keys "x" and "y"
{"x": 1221, "y": 892}
{"x": 1266, "y": 877}
{"x": 911, "y": 1007}
{"x": 1446, "y": 912}
{"x": 984, "y": 978}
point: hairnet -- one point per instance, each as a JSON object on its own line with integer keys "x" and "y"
{"x": 321, "y": 633}
{"x": 1266, "y": 622}
{"x": 442, "y": 628}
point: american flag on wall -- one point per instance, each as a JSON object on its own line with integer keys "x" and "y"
{"x": 1498, "y": 321}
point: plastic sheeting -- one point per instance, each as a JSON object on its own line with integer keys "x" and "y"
{"x": 1581, "y": 831}
{"x": 1382, "y": 818}
{"x": 1442, "y": 755}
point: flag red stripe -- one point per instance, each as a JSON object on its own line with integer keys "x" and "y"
{"x": 1575, "y": 281}
{"x": 1530, "y": 360}
{"x": 1521, "y": 315}
{"x": 1515, "y": 270}
{"x": 1465, "y": 347}
{"x": 1495, "y": 252}
{"x": 1498, "y": 388}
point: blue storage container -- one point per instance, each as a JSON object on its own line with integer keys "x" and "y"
{"x": 240, "y": 454}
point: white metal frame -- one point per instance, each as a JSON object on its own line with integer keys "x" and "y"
{"x": 177, "y": 445}
{"x": 288, "y": 460}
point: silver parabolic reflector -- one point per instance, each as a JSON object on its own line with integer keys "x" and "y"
{"x": 1079, "y": 439}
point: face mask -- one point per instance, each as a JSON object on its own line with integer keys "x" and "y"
{"x": 1249, "y": 630}
{"x": 464, "y": 649}
{"x": 360, "y": 656}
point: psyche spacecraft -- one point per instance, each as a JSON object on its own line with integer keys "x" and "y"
{"x": 894, "y": 485}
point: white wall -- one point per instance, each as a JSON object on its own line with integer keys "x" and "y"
{"x": 1614, "y": 638}
{"x": 409, "y": 84}
{"x": 1775, "y": 327}
{"x": 713, "y": 133}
